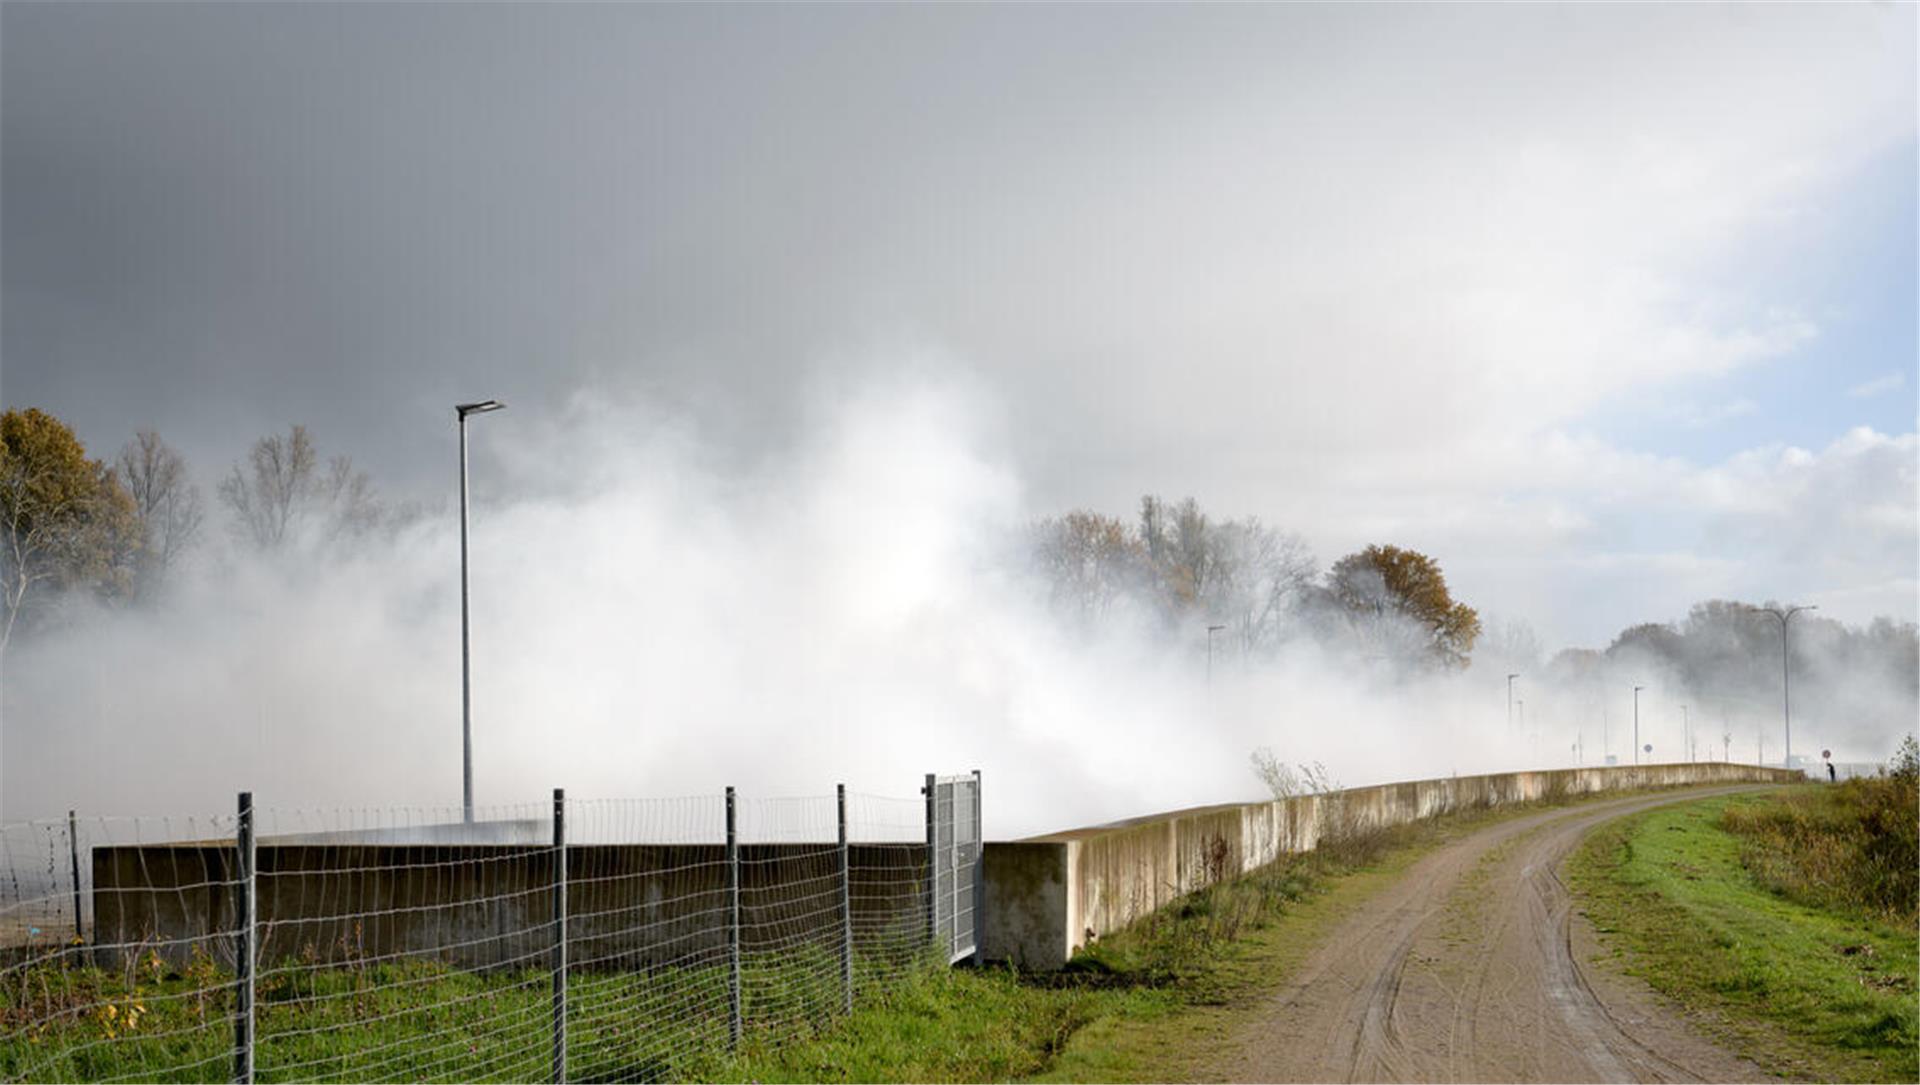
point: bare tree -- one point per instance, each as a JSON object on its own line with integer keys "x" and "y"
{"x": 348, "y": 498}
{"x": 1175, "y": 539}
{"x": 1089, "y": 562}
{"x": 282, "y": 488}
{"x": 166, "y": 501}
{"x": 267, "y": 497}
{"x": 1257, "y": 576}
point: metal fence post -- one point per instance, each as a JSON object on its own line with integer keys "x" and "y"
{"x": 933, "y": 908}
{"x": 979, "y": 872}
{"x": 846, "y": 909}
{"x": 559, "y": 934}
{"x": 73, "y": 854}
{"x": 953, "y": 868}
{"x": 733, "y": 927}
{"x": 243, "y": 942}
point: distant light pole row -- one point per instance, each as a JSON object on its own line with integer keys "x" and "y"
{"x": 1783, "y": 615}
{"x": 461, "y": 411}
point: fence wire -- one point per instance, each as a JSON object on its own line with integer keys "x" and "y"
{"x": 405, "y": 944}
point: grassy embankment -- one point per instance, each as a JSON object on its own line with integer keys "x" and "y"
{"x": 1785, "y": 923}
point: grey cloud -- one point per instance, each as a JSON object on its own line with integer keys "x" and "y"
{"x": 1300, "y": 261}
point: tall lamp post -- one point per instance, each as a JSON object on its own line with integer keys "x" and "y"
{"x": 1636, "y": 723}
{"x": 1211, "y": 630}
{"x": 1786, "y": 699}
{"x": 461, "y": 411}
{"x": 1686, "y": 733}
{"x": 1510, "y": 679}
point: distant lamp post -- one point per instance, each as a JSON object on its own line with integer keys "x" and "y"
{"x": 461, "y": 411}
{"x": 1784, "y": 617}
{"x": 1636, "y": 723}
{"x": 1510, "y": 679}
{"x": 1211, "y": 630}
{"x": 1686, "y": 733}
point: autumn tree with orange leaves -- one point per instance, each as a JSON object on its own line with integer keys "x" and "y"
{"x": 1398, "y": 594}
{"x": 66, "y": 523}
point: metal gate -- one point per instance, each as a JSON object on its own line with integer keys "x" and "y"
{"x": 953, "y": 850}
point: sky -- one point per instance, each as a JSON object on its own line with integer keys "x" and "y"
{"x": 1608, "y": 308}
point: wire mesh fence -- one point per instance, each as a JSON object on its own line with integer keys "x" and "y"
{"x": 586, "y": 940}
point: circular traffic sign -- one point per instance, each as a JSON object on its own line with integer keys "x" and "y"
{"x": 1649, "y": 747}
{"x": 1827, "y": 754}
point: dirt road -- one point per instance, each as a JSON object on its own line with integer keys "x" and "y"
{"x": 1474, "y": 968}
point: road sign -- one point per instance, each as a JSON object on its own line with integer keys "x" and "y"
{"x": 1648, "y": 747}
{"x": 1826, "y": 755}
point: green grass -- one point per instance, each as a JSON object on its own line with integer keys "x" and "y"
{"x": 1134, "y": 1006}
{"x": 417, "y": 1020}
{"x": 1805, "y": 991}
{"x": 1852, "y": 847}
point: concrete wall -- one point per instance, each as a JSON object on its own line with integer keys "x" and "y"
{"x": 1048, "y": 895}
{"x": 489, "y": 906}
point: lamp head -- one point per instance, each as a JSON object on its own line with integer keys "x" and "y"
{"x": 482, "y": 407}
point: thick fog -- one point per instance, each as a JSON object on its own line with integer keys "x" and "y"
{"x": 861, "y": 606}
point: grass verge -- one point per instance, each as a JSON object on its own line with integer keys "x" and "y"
{"x": 1805, "y": 991}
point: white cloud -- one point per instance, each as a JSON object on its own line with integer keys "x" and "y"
{"x": 1880, "y": 385}
{"x": 1583, "y": 537}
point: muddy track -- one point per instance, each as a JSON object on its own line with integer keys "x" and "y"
{"x": 1473, "y": 968}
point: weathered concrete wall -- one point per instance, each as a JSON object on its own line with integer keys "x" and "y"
{"x": 489, "y": 906}
{"x": 1046, "y": 896}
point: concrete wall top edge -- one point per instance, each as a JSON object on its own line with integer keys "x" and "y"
{"x": 1069, "y": 835}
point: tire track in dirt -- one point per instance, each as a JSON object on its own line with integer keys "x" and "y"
{"x": 1470, "y": 969}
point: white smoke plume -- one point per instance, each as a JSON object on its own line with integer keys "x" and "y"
{"x": 650, "y": 618}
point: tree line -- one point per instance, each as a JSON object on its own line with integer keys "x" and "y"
{"x": 117, "y": 530}
{"x": 1724, "y": 660}
{"x": 1181, "y": 570}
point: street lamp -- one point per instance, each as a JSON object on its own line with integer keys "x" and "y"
{"x": 1686, "y": 733}
{"x": 1786, "y": 700}
{"x": 1636, "y": 723}
{"x": 461, "y": 411}
{"x": 1510, "y": 679}
{"x": 1211, "y": 630}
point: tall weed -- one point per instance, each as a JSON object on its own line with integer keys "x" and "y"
{"x": 1852, "y": 847}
